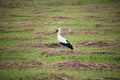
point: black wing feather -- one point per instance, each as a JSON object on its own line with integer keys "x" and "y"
{"x": 67, "y": 44}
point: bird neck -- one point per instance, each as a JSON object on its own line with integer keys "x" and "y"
{"x": 58, "y": 32}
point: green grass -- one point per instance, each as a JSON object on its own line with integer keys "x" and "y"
{"x": 24, "y": 54}
{"x": 44, "y": 16}
{"x": 85, "y": 58}
{"x": 35, "y": 54}
{"x": 10, "y": 42}
{"x": 35, "y": 73}
{"x": 14, "y": 38}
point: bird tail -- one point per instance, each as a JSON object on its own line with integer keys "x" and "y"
{"x": 69, "y": 46}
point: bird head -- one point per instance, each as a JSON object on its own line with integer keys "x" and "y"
{"x": 57, "y": 30}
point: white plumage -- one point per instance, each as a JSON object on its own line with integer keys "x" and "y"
{"x": 62, "y": 40}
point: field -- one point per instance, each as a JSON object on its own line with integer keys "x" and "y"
{"x": 29, "y": 49}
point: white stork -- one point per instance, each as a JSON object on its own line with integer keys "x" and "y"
{"x": 62, "y": 40}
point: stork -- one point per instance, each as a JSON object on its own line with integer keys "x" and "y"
{"x": 62, "y": 40}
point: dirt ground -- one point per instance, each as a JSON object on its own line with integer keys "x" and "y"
{"x": 57, "y": 76}
{"x": 8, "y": 31}
{"x": 21, "y": 64}
{"x": 30, "y": 45}
{"x": 84, "y": 65}
{"x": 64, "y": 77}
{"x": 98, "y": 43}
{"x": 72, "y": 64}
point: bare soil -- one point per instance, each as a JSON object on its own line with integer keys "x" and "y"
{"x": 85, "y": 32}
{"x": 30, "y": 45}
{"x": 61, "y": 17}
{"x": 51, "y": 45}
{"x": 25, "y": 30}
{"x": 21, "y": 64}
{"x": 66, "y": 77}
{"x": 105, "y": 53}
{"x": 79, "y": 31}
{"x": 92, "y": 17}
{"x": 46, "y": 32}
{"x": 22, "y": 24}
{"x": 92, "y": 9}
{"x": 68, "y": 52}
{"x": 75, "y": 64}
{"x": 72, "y": 64}
{"x": 57, "y": 76}
{"x": 14, "y": 38}
{"x": 59, "y": 52}
{"x": 53, "y": 22}
{"x": 98, "y": 43}
{"x": 99, "y": 25}
{"x": 72, "y": 32}
{"x": 4, "y": 47}
{"x": 44, "y": 9}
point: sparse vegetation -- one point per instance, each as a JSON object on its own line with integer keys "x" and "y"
{"x": 29, "y": 49}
